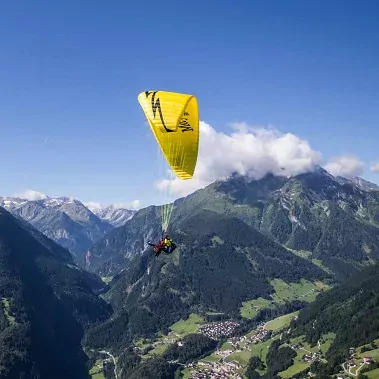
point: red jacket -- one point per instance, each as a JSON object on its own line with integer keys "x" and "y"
{"x": 161, "y": 243}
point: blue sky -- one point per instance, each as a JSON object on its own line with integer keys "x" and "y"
{"x": 70, "y": 74}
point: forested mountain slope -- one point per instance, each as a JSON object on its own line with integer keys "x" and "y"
{"x": 46, "y": 304}
{"x": 350, "y": 311}
{"x": 315, "y": 215}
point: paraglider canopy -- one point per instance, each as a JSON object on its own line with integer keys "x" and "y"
{"x": 174, "y": 120}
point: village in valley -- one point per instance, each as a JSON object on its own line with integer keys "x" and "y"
{"x": 221, "y": 363}
{"x": 231, "y": 357}
{"x": 219, "y": 366}
{"x": 219, "y": 330}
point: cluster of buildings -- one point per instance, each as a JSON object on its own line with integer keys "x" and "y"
{"x": 224, "y": 369}
{"x": 219, "y": 330}
{"x": 314, "y": 357}
{"x": 353, "y": 356}
{"x": 259, "y": 335}
{"x": 216, "y": 370}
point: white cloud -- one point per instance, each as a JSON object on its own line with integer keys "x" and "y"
{"x": 345, "y": 165}
{"x": 252, "y": 151}
{"x": 374, "y": 167}
{"x": 31, "y": 195}
{"x": 92, "y": 205}
{"x": 135, "y": 204}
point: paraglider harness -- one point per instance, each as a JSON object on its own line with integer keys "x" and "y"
{"x": 164, "y": 244}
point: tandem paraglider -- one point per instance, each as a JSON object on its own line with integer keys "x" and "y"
{"x": 164, "y": 244}
{"x": 174, "y": 120}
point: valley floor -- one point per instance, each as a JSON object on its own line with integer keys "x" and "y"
{"x": 230, "y": 360}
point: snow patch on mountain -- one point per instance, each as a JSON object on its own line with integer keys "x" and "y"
{"x": 65, "y": 220}
{"x": 114, "y": 215}
{"x": 357, "y": 181}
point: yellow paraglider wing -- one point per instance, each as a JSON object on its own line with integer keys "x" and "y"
{"x": 174, "y": 120}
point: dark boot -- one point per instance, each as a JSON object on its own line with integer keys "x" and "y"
{"x": 158, "y": 252}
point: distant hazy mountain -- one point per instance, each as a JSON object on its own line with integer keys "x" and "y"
{"x": 114, "y": 215}
{"x": 64, "y": 220}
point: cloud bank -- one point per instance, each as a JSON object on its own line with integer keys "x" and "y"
{"x": 135, "y": 204}
{"x": 375, "y": 167}
{"x": 346, "y": 166}
{"x": 247, "y": 151}
{"x": 31, "y": 195}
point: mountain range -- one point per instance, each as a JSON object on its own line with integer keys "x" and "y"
{"x": 237, "y": 239}
{"x": 332, "y": 222}
{"x": 114, "y": 215}
{"x": 240, "y": 242}
{"x": 67, "y": 221}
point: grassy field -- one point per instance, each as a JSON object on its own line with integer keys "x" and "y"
{"x": 299, "y": 365}
{"x": 241, "y": 357}
{"x": 280, "y": 322}
{"x": 308, "y": 255}
{"x": 158, "y": 350}
{"x": 226, "y": 346}
{"x": 186, "y": 373}
{"x": 325, "y": 342}
{"x": 318, "y": 263}
{"x": 106, "y": 279}
{"x": 304, "y": 291}
{"x": 284, "y": 292}
{"x": 191, "y": 325}
{"x": 261, "y": 349}
{"x": 301, "y": 253}
{"x": 6, "y": 305}
{"x": 178, "y": 330}
{"x": 251, "y": 308}
{"x": 211, "y": 358}
{"x": 374, "y": 374}
{"x": 142, "y": 344}
{"x": 96, "y": 371}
